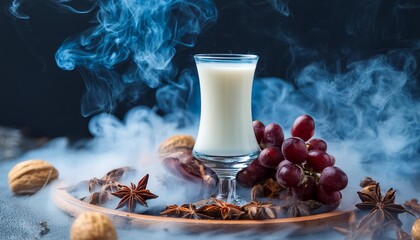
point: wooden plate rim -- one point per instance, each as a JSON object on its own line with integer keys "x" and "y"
{"x": 61, "y": 196}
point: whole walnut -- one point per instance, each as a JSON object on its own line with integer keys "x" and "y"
{"x": 30, "y": 176}
{"x": 176, "y": 143}
{"x": 92, "y": 226}
{"x": 415, "y": 230}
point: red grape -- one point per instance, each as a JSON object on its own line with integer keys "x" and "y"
{"x": 306, "y": 190}
{"x": 303, "y": 127}
{"x": 289, "y": 175}
{"x": 294, "y": 150}
{"x": 328, "y": 198}
{"x": 245, "y": 179}
{"x": 257, "y": 171}
{"x": 317, "y": 144}
{"x": 318, "y": 160}
{"x": 273, "y": 136}
{"x": 258, "y": 130}
{"x": 284, "y": 162}
{"x": 332, "y": 159}
{"x": 333, "y": 179}
{"x": 270, "y": 157}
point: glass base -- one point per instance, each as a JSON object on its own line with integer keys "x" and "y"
{"x": 227, "y": 192}
{"x": 236, "y": 200}
{"x": 226, "y": 168}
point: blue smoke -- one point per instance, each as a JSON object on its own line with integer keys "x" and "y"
{"x": 367, "y": 105}
{"x": 355, "y": 83}
{"x": 282, "y": 6}
{"x": 130, "y": 49}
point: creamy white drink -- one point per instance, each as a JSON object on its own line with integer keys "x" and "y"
{"x": 226, "y": 119}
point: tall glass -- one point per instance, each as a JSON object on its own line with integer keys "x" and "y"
{"x": 226, "y": 141}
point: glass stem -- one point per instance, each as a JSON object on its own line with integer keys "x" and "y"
{"x": 227, "y": 189}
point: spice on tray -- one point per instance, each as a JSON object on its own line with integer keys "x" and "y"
{"x": 270, "y": 189}
{"x": 132, "y": 195}
{"x": 297, "y": 208}
{"x": 383, "y": 206}
{"x": 413, "y": 206}
{"x": 382, "y": 217}
{"x": 101, "y": 188}
{"x": 261, "y": 210}
{"x": 222, "y": 210}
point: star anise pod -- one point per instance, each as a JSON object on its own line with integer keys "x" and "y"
{"x": 367, "y": 230}
{"x": 270, "y": 189}
{"x": 116, "y": 174}
{"x": 367, "y": 181}
{"x": 383, "y": 206}
{"x": 261, "y": 210}
{"x": 413, "y": 206}
{"x": 111, "y": 177}
{"x": 295, "y": 207}
{"x": 222, "y": 210}
{"x": 99, "y": 198}
{"x": 108, "y": 184}
{"x": 190, "y": 211}
{"x": 172, "y": 211}
{"x": 298, "y": 208}
{"x": 371, "y": 226}
{"x": 403, "y": 235}
{"x": 104, "y": 194}
{"x": 134, "y": 194}
{"x": 101, "y": 188}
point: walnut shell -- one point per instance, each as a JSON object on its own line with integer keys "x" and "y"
{"x": 175, "y": 143}
{"x": 30, "y": 176}
{"x": 415, "y": 230}
{"x": 92, "y": 226}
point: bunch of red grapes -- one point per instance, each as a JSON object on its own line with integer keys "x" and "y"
{"x": 299, "y": 163}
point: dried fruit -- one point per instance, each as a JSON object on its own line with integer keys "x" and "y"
{"x": 30, "y": 176}
{"x": 177, "y": 158}
{"x": 92, "y": 225}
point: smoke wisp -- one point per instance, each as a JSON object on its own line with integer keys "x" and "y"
{"x": 129, "y": 49}
{"x": 365, "y": 103}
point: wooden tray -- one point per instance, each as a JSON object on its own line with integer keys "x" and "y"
{"x": 301, "y": 225}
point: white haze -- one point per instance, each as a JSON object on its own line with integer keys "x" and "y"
{"x": 366, "y": 112}
{"x": 367, "y": 138}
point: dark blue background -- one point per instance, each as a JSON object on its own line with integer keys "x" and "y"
{"x": 36, "y": 94}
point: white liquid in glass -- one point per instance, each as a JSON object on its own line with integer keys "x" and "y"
{"x": 226, "y": 118}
